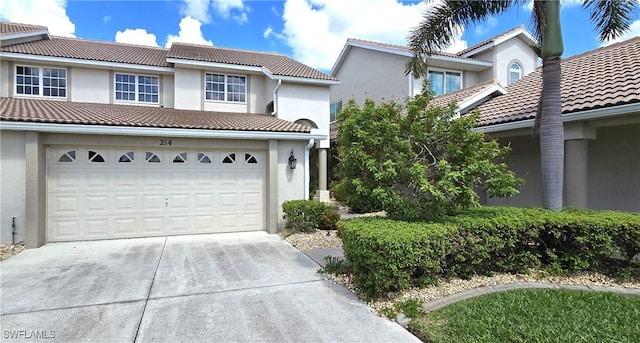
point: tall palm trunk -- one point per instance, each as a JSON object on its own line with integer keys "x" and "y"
{"x": 551, "y": 128}
{"x": 551, "y": 135}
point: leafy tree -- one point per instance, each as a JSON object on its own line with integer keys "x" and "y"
{"x": 610, "y": 17}
{"x": 416, "y": 161}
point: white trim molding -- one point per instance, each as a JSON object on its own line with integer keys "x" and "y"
{"x": 155, "y": 132}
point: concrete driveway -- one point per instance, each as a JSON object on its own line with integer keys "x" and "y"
{"x": 249, "y": 287}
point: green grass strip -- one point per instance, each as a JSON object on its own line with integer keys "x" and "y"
{"x": 535, "y": 315}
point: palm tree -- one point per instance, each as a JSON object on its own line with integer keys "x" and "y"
{"x": 441, "y": 22}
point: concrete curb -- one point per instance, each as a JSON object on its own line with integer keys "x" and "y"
{"x": 450, "y": 299}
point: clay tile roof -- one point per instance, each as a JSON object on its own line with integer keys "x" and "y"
{"x": 65, "y": 112}
{"x": 402, "y": 48}
{"x": 276, "y": 64}
{"x": 9, "y": 28}
{"x": 600, "y": 78}
{"x": 462, "y": 94}
{"x": 92, "y": 50}
{"x": 491, "y": 40}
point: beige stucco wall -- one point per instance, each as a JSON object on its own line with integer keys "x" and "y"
{"x": 614, "y": 168}
{"x": 513, "y": 50}
{"x": 4, "y": 78}
{"x": 167, "y": 90}
{"x": 297, "y": 101}
{"x": 371, "y": 74}
{"x": 290, "y": 181}
{"x": 188, "y": 89}
{"x": 89, "y": 85}
{"x": 12, "y": 184}
{"x": 524, "y": 160}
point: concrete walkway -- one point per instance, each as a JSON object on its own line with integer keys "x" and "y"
{"x": 250, "y": 287}
{"x": 472, "y": 293}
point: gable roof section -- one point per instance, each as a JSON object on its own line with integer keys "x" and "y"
{"x": 11, "y": 33}
{"x": 92, "y": 50}
{"x": 65, "y": 112}
{"x": 275, "y": 64}
{"x": 601, "y": 78}
{"x": 469, "y": 95}
{"x": 401, "y": 50}
{"x": 498, "y": 39}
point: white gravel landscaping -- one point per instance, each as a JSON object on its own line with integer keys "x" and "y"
{"x": 320, "y": 240}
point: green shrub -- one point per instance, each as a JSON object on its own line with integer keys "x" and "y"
{"x": 388, "y": 255}
{"x": 308, "y": 215}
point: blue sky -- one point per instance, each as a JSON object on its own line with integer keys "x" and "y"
{"x": 311, "y": 31}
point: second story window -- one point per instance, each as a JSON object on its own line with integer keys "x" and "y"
{"x": 138, "y": 88}
{"x": 45, "y": 82}
{"x": 515, "y": 73}
{"x": 219, "y": 87}
{"x": 335, "y": 109}
{"x": 442, "y": 82}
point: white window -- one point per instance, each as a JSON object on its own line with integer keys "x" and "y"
{"x": 442, "y": 82}
{"x": 219, "y": 87}
{"x": 138, "y": 88}
{"x": 39, "y": 81}
{"x": 515, "y": 72}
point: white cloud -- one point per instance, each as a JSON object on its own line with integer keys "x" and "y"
{"x": 49, "y": 13}
{"x": 316, "y": 30}
{"x": 106, "y": 18}
{"x": 483, "y": 29}
{"x": 197, "y": 9}
{"x": 634, "y": 30}
{"x": 234, "y": 9}
{"x": 190, "y": 32}
{"x": 136, "y": 36}
{"x": 565, "y": 4}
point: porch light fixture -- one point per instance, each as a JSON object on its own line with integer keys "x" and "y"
{"x": 292, "y": 160}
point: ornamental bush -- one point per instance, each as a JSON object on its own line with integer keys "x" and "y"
{"x": 308, "y": 215}
{"x": 416, "y": 161}
{"x": 388, "y": 255}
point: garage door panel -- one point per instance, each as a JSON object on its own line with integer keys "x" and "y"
{"x": 148, "y": 192}
{"x": 96, "y": 204}
{"x": 65, "y": 180}
{"x": 96, "y": 180}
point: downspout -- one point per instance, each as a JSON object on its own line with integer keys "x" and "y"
{"x": 307, "y": 169}
{"x": 275, "y": 98}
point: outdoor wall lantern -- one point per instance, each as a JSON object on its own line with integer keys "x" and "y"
{"x": 292, "y": 160}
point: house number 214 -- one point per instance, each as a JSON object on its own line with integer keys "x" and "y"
{"x": 165, "y": 141}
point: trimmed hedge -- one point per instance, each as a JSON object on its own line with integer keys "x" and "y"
{"x": 308, "y": 215}
{"x": 389, "y": 255}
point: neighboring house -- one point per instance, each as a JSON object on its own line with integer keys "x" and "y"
{"x": 601, "y": 115}
{"x": 104, "y": 140}
{"x": 377, "y": 70}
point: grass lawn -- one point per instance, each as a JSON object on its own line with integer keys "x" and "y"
{"x": 535, "y": 315}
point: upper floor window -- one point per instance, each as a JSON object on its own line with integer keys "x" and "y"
{"x": 45, "y": 82}
{"x": 336, "y": 107}
{"x": 442, "y": 82}
{"x": 221, "y": 87}
{"x": 515, "y": 72}
{"x": 138, "y": 88}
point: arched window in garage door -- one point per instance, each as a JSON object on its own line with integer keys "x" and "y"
{"x": 68, "y": 157}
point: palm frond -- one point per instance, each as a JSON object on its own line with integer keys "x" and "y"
{"x": 442, "y": 22}
{"x": 611, "y": 18}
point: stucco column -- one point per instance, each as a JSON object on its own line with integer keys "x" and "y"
{"x": 272, "y": 185}
{"x": 576, "y": 178}
{"x": 323, "y": 193}
{"x": 576, "y": 158}
{"x": 36, "y": 176}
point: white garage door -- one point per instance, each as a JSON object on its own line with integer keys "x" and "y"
{"x": 98, "y": 193}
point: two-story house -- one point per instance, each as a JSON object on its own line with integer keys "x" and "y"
{"x": 372, "y": 70}
{"x": 104, "y": 140}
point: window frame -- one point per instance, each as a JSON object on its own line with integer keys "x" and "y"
{"x": 225, "y": 87}
{"x": 444, "y": 81}
{"x": 511, "y": 71}
{"x": 136, "y": 91}
{"x": 40, "y": 85}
